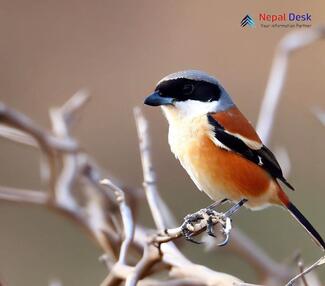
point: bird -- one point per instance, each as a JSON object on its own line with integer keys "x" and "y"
{"x": 219, "y": 148}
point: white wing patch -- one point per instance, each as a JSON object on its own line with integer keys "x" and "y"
{"x": 250, "y": 143}
{"x": 260, "y": 161}
{"x": 216, "y": 141}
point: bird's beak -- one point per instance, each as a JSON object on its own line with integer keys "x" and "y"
{"x": 156, "y": 99}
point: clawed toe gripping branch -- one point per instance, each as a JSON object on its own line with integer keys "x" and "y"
{"x": 194, "y": 224}
{"x": 206, "y": 219}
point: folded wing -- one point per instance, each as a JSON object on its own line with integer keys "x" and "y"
{"x": 250, "y": 148}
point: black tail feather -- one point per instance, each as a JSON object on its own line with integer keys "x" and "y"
{"x": 306, "y": 224}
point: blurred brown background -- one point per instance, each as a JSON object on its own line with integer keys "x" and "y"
{"x": 118, "y": 50}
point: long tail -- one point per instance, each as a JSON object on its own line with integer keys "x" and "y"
{"x": 301, "y": 219}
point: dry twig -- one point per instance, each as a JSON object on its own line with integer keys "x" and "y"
{"x": 290, "y": 43}
{"x": 315, "y": 265}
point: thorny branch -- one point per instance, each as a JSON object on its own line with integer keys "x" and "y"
{"x": 106, "y": 209}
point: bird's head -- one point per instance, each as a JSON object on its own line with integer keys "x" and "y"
{"x": 190, "y": 93}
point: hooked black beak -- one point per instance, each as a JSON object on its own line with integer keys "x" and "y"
{"x": 156, "y": 99}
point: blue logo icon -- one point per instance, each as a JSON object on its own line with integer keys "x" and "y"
{"x": 247, "y": 21}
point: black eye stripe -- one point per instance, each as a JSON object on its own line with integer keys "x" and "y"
{"x": 188, "y": 88}
{"x": 182, "y": 89}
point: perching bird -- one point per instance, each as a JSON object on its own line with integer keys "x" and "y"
{"x": 218, "y": 147}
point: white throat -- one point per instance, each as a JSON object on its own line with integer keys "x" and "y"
{"x": 194, "y": 108}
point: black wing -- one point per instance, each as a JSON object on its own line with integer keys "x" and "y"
{"x": 262, "y": 157}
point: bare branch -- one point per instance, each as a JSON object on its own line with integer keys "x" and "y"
{"x": 202, "y": 273}
{"x": 74, "y": 104}
{"x": 290, "y": 43}
{"x": 118, "y": 273}
{"x": 250, "y": 252}
{"x": 127, "y": 219}
{"x": 150, "y": 257}
{"x": 69, "y": 172}
{"x": 18, "y": 136}
{"x": 171, "y": 282}
{"x": 301, "y": 267}
{"x": 315, "y": 265}
{"x": 19, "y": 121}
{"x": 23, "y": 196}
{"x": 149, "y": 175}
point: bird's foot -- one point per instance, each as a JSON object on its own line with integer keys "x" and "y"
{"x": 189, "y": 224}
{"x": 205, "y": 218}
{"x": 226, "y": 228}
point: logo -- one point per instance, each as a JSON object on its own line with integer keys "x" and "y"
{"x": 285, "y": 20}
{"x": 278, "y": 20}
{"x": 247, "y": 21}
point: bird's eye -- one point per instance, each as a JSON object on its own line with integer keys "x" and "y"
{"x": 188, "y": 89}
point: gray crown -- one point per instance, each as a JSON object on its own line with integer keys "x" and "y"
{"x": 190, "y": 74}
